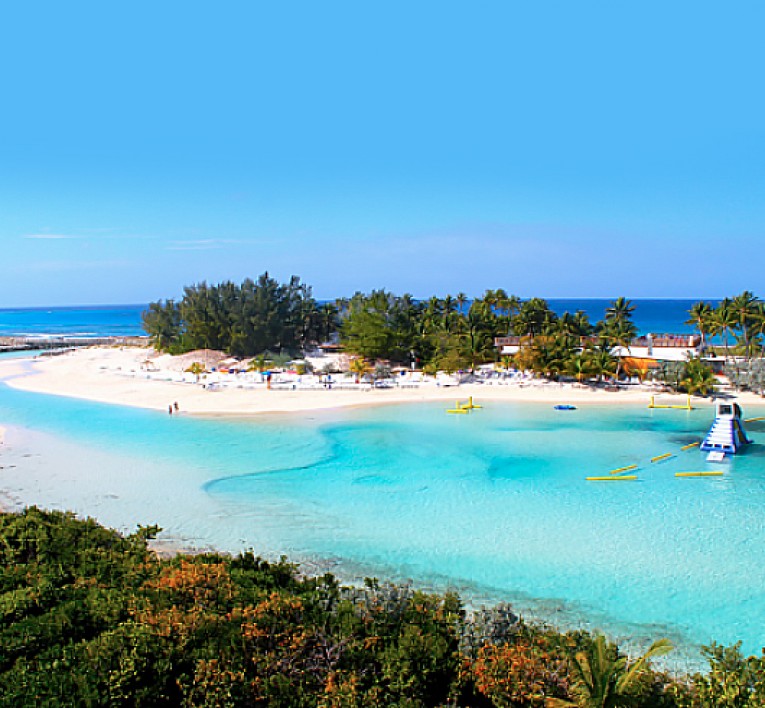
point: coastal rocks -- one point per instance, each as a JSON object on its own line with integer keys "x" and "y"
{"x": 492, "y": 625}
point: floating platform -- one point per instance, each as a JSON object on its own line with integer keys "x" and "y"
{"x": 727, "y": 434}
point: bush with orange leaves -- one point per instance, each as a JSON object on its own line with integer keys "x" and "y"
{"x": 523, "y": 673}
{"x": 88, "y": 617}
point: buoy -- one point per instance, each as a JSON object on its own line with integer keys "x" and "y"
{"x": 690, "y": 445}
{"x": 623, "y": 469}
{"x": 715, "y": 473}
{"x": 621, "y": 478}
{"x": 659, "y": 458}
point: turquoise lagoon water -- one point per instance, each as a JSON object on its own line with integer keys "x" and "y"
{"x": 494, "y": 504}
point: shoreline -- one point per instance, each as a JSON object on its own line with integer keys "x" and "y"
{"x": 120, "y": 376}
{"x": 108, "y": 384}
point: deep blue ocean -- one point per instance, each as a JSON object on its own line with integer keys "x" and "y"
{"x": 101, "y": 321}
{"x": 125, "y": 320}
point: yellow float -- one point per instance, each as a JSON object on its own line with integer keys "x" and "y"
{"x": 466, "y": 407}
{"x": 621, "y": 478}
{"x": 715, "y": 473}
{"x": 619, "y": 470}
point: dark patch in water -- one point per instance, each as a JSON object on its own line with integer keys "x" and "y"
{"x": 373, "y": 480}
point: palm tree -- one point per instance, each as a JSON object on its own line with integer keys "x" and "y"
{"x": 724, "y": 321}
{"x": 359, "y": 367}
{"x": 506, "y": 304}
{"x": 491, "y": 298}
{"x": 550, "y": 355}
{"x": 758, "y": 327}
{"x": 744, "y": 309}
{"x": 473, "y": 330}
{"x": 698, "y": 378}
{"x": 603, "y": 679}
{"x": 701, "y": 318}
{"x": 603, "y": 363}
{"x": 579, "y": 366}
{"x": 258, "y": 363}
{"x": 582, "y": 323}
{"x": 567, "y": 325}
{"x": 620, "y": 310}
{"x": 532, "y": 317}
{"x": 197, "y": 369}
{"x": 449, "y": 310}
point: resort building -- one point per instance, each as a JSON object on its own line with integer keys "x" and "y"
{"x": 663, "y": 347}
{"x": 657, "y": 347}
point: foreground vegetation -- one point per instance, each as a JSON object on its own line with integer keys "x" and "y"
{"x": 92, "y": 618}
{"x": 270, "y": 319}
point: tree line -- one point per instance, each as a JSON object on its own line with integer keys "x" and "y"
{"x": 89, "y": 617}
{"x": 450, "y": 333}
{"x": 265, "y": 315}
{"x": 244, "y": 320}
{"x": 739, "y": 324}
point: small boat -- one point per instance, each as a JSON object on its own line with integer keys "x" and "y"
{"x": 564, "y": 407}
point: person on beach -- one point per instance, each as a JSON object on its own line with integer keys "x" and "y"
{"x": 170, "y": 409}
{"x": 175, "y": 406}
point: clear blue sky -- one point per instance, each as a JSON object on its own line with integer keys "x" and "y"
{"x": 582, "y": 149}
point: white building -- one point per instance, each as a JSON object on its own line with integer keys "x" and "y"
{"x": 657, "y": 347}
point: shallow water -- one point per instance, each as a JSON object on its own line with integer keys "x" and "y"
{"x": 24, "y": 354}
{"x": 493, "y": 503}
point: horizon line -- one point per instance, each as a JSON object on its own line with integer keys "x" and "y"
{"x": 321, "y": 300}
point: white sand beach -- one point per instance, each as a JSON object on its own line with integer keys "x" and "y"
{"x": 140, "y": 377}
